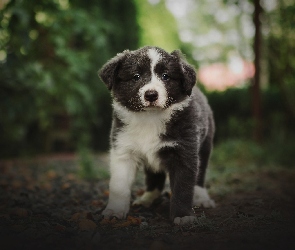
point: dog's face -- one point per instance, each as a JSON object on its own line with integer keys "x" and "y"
{"x": 148, "y": 78}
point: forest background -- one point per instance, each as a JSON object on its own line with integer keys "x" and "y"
{"x": 52, "y": 101}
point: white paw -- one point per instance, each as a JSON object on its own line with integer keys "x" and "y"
{"x": 202, "y": 198}
{"x": 107, "y": 213}
{"x": 206, "y": 203}
{"x": 147, "y": 198}
{"x": 184, "y": 220}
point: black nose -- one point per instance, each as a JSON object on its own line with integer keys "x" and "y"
{"x": 151, "y": 95}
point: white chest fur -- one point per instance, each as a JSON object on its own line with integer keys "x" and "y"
{"x": 140, "y": 137}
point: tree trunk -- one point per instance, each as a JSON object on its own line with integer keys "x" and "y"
{"x": 256, "y": 94}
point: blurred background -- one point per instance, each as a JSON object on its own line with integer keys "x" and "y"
{"x": 52, "y": 101}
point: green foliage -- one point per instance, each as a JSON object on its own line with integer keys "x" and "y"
{"x": 51, "y": 51}
{"x": 217, "y": 30}
{"x": 238, "y": 154}
{"x": 158, "y": 25}
{"x": 281, "y": 57}
{"x": 86, "y": 164}
{"x": 232, "y": 113}
{"x": 232, "y": 110}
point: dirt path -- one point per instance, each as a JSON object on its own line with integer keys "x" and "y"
{"x": 45, "y": 205}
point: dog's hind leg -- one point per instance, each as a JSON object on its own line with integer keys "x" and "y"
{"x": 204, "y": 153}
{"x": 155, "y": 184}
{"x": 201, "y": 196}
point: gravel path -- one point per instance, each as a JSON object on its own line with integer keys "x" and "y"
{"x": 44, "y": 204}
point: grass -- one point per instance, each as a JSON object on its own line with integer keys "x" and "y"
{"x": 91, "y": 167}
{"x": 237, "y": 165}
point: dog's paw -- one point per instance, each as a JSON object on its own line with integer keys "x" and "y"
{"x": 147, "y": 198}
{"x": 181, "y": 221}
{"x": 141, "y": 202}
{"x": 206, "y": 203}
{"x": 108, "y": 213}
{"x": 202, "y": 199}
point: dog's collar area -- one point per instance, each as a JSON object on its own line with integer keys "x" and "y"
{"x": 162, "y": 113}
{"x": 152, "y": 108}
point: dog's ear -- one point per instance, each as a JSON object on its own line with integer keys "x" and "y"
{"x": 108, "y": 71}
{"x": 188, "y": 71}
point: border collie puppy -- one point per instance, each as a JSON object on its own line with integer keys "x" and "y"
{"x": 161, "y": 122}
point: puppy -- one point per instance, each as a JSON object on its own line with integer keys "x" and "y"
{"x": 161, "y": 122}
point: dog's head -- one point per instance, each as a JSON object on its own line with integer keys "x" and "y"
{"x": 148, "y": 78}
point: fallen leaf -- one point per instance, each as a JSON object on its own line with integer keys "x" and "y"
{"x": 16, "y": 184}
{"x": 60, "y": 228}
{"x": 20, "y": 212}
{"x": 75, "y": 217}
{"x": 5, "y": 216}
{"x": 18, "y": 228}
{"x": 30, "y": 187}
{"x": 140, "y": 192}
{"x": 51, "y": 174}
{"x": 122, "y": 224}
{"x": 86, "y": 225}
{"x": 82, "y": 215}
{"x": 134, "y": 220}
{"x": 159, "y": 245}
{"x": 4, "y": 183}
{"x": 108, "y": 221}
{"x": 71, "y": 177}
{"x": 89, "y": 216}
{"x": 97, "y": 203}
{"x": 66, "y": 185}
{"x": 47, "y": 186}
{"x": 130, "y": 221}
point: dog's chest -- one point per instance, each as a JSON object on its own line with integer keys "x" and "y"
{"x": 141, "y": 137}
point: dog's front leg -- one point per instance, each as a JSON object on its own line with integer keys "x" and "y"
{"x": 182, "y": 181}
{"x": 123, "y": 169}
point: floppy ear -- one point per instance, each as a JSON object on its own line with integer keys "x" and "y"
{"x": 108, "y": 71}
{"x": 188, "y": 71}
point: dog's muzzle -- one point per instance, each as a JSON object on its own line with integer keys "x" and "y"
{"x": 151, "y": 95}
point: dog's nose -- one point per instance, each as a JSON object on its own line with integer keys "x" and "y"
{"x": 151, "y": 95}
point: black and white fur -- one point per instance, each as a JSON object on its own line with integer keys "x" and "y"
{"x": 161, "y": 122}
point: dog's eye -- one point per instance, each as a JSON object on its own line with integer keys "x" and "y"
{"x": 165, "y": 77}
{"x": 136, "y": 77}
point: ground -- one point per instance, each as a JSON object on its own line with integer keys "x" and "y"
{"x": 45, "y": 204}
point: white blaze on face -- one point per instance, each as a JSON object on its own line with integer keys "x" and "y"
{"x": 155, "y": 84}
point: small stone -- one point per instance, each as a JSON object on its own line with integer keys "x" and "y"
{"x": 98, "y": 217}
{"x": 45, "y": 224}
{"x": 159, "y": 245}
{"x": 18, "y": 228}
{"x": 5, "y": 216}
{"x": 146, "y": 215}
{"x": 59, "y": 228}
{"x": 30, "y": 233}
{"x": 143, "y": 225}
{"x": 142, "y": 218}
{"x": 169, "y": 239}
{"x": 96, "y": 239}
{"x": 85, "y": 236}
